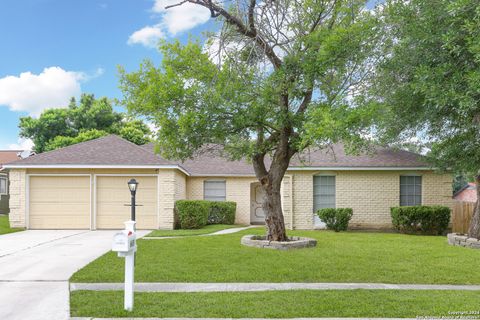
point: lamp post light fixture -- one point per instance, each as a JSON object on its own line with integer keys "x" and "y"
{"x": 132, "y": 185}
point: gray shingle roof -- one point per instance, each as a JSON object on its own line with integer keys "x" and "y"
{"x": 108, "y": 150}
{"x": 378, "y": 157}
{"x": 115, "y": 151}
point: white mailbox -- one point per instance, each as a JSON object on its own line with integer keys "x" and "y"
{"x": 124, "y": 242}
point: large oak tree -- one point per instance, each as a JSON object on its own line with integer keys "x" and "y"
{"x": 277, "y": 78}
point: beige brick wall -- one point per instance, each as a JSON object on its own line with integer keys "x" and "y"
{"x": 437, "y": 189}
{"x": 170, "y": 190}
{"x": 302, "y": 199}
{"x": 287, "y": 204}
{"x": 180, "y": 185}
{"x": 370, "y": 194}
{"x": 237, "y": 190}
{"x": 17, "y": 198}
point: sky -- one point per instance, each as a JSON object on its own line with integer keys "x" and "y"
{"x": 52, "y": 50}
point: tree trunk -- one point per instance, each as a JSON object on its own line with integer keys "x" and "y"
{"x": 474, "y": 230}
{"x": 271, "y": 182}
{"x": 272, "y": 207}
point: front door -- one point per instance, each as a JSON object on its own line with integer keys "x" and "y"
{"x": 256, "y": 198}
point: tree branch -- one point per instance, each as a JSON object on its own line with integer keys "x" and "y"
{"x": 251, "y": 20}
{"x": 306, "y": 101}
{"x": 241, "y": 27}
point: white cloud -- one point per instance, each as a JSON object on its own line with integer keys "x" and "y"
{"x": 22, "y": 144}
{"x": 180, "y": 18}
{"x": 172, "y": 21}
{"x": 52, "y": 88}
{"x": 147, "y": 36}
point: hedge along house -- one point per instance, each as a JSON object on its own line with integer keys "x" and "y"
{"x": 84, "y": 186}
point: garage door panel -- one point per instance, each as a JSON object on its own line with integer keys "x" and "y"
{"x": 113, "y": 196}
{"x": 57, "y": 210}
{"x": 59, "y": 202}
{"x": 59, "y": 196}
{"x": 52, "y": 222}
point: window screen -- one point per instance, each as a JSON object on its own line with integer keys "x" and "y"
{"x": 214, "y": 190}
{"x": 3, "y": 185}
{"x": 410, "y": 190}
{"x": 323, "y": 192}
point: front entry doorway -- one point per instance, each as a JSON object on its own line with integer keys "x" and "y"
{"x": 257, "y": 216}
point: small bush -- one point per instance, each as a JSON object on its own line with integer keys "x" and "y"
{"x": 191, "y": 214}
{"x": 336, "y": 218}
{"x": 194, "y": 214}
{"x": 421, "y": 219}
{"x": 221, "y": 212}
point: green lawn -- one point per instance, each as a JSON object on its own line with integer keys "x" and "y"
{"x": 192, "y": 232}
{"x": 277, "y": 304}
{"x": 338, "y": 257}
{"x": 5, "y": 226}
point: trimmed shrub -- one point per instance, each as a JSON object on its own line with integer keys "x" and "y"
{"x": 336, "y": 218}
{"x": 421, "y": 219}
{"x": 221, "y": 212}
{"x": 191, "y": 214}
{"x": 194, "y": 214}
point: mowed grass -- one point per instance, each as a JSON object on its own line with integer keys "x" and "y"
{"x": 5, "y": 226}
{"x": 277, "y": 304}
{"x": 192, "y": 232}
{"x": 338, "y": 257}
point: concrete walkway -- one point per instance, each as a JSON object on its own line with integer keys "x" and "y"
{"x": 245, "y": 287}
{"x": 216, "y": 233}
{"x": 35, "y": 266}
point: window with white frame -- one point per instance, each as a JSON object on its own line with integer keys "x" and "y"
{"x": 3, "y": 185}
{"x": 214, "y": 190}
{"x": 410, "y": 190}
{"x": 323, "y": 192}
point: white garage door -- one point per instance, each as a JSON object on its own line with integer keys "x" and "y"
{"x": 113, "y": 196}
{"x": 59, "y": 202}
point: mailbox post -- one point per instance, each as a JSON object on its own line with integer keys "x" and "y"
{"x": 124, "y": 243}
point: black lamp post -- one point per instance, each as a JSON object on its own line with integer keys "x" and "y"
{"x": 132, "y": 185}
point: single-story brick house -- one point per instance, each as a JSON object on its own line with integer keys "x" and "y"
{"x": 84, "y": 186}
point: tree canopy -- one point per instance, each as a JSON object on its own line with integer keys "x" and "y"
{"x": 429, "y": 80}
{"x": 88, "y": 119}
{"x": 280, "y": 77}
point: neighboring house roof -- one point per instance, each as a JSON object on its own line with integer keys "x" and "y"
{"x": 7, "y": 156}
{"x": 467, "y": 194}
{"x": 113, "y": 151}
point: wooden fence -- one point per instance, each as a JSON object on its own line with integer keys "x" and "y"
{"x": 461, "y": 216}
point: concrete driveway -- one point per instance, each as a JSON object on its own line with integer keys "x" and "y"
{"x": 35, "y": 266}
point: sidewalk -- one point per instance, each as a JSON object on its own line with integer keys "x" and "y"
{"x": 216, "y": 233}
{"x": 245, "y": 287}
